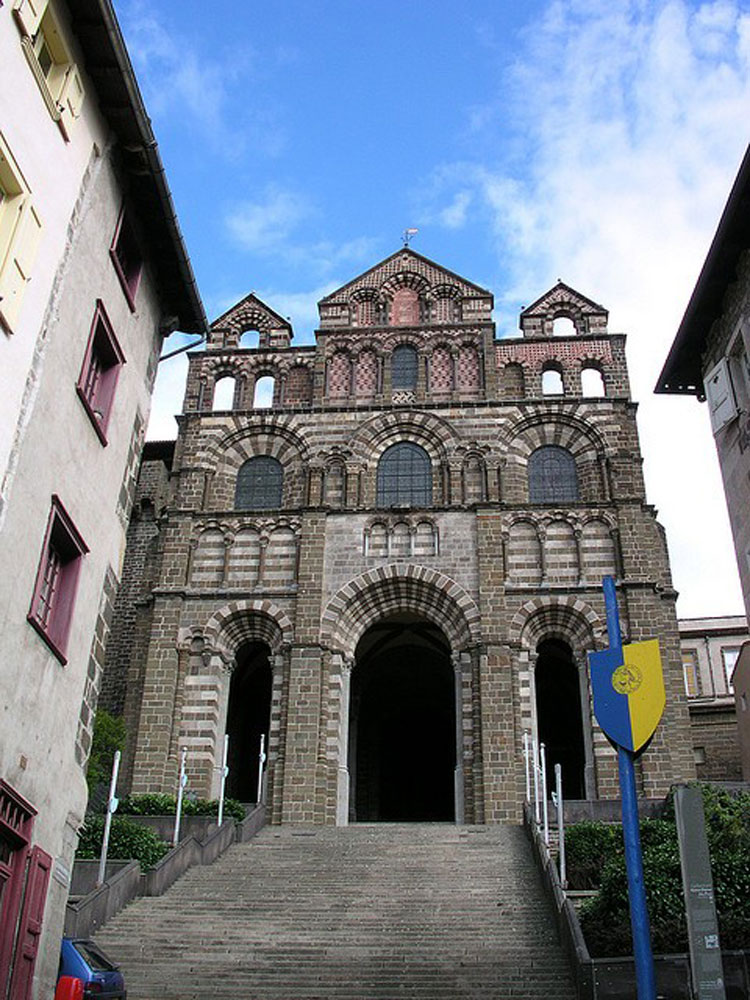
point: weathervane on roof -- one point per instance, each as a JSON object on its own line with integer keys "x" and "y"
{"x": 408, "y": 234}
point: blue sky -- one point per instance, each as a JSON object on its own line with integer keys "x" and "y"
{"x": 585, "y": 140}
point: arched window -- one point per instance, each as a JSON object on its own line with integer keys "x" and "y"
{"x": 563, "y": 326}
{"x": 404, "y": 368}
{"x": 552, "y": 475}
{"x": 404, "y": 476}
{"x": 224, "y": 390}
{"x": 592, "y": 382}
{"x": 250, "y": 339}
{"x": 259, "y": 484}
{"x": 264, "y": 390}
{"x": 552, "y": 382}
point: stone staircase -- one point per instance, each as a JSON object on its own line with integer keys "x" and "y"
{"x": 397, "y": 912}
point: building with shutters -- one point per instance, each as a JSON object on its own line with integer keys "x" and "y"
{"x": 384, "y": 554}
{"x": 93, "y": 272}
{"x": 710, "y": 358}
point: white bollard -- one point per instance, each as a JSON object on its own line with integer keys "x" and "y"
{"x": 527, "y": 762}
{"x": 261, "y": 762}
{"x": 224, "y": 773}
{"x": 560, "y": 825}
{"x": 180, "y": 791}
{"x": 112, "y": 804}
{"x": 545, "y": 803}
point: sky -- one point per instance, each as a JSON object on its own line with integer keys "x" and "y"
{"x": 586, "y": 140}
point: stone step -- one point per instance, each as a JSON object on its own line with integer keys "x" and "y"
{"x": 358, "y": 913}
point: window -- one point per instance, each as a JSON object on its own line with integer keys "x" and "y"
{"x": 552, "y": 382}
{"x": 404, "y": 477}
{"x": 51, "y": 608}
{"x": 729, "y": 657}
{"x": 264, "y": 392}
{"x": 563, "y": 326}
{"x": 259, "y": 484}
{"x": 592, "y": 383}
{"x": 224, "y": 390}
{"x": 50, "y": 61}
{"x": 552, "y": 475}
{"x": 99, "y": 372}
{"x": 20, "y": 228}
{"x": 690, "y": 673}
{"x": 126, "y": 257}
{"x": 404, "y": 368}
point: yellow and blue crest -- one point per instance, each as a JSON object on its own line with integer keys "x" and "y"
{"x": 628, "y": 688}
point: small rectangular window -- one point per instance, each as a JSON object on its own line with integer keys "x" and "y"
{"x": 50, "y": 61}
{"x": 729, "y": 657}
{"x": 99, "y": 372}
{"x": 690, "y": 672}
{"x": 52, "y": 602}
{"x": 20, "y": 229}
{"x": 126, "y": 257}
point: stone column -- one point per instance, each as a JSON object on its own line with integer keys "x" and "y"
{"x": 342, "y": 667}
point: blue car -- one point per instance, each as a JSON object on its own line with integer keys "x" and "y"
{"x": 84, "y": 960}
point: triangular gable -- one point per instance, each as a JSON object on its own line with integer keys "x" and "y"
{"x": 588, "y": 317}
{"x": 250, "y": 313}
{"x": 562, "y": 294}
{"x": 405, "y": 260}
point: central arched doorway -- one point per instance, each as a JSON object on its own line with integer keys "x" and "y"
{"x": 402, "y": 731}
{"x": 248, "y": 715}
{"x": 559, "y": 716}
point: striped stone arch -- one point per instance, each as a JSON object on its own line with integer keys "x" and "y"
{"x": 405, "y": 279}
{"x": 248, "y": 621}
{"x": 557, "y": 617}
{"x": 267, "y": 436}
{"x": 371, "y": 439}
{"x": 396, "y": 588}
{"x": 552, "y": 426}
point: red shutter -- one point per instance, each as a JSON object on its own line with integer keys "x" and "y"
{"x": 30, "y": 927}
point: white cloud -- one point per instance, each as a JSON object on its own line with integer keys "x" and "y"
{"x": 631, "y": 118}
{"x": 265, "y": 226}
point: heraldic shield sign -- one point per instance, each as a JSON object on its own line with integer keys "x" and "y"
{"x": 628, "y": 688}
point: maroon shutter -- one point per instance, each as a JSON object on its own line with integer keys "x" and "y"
{"x": 30, "y": 927}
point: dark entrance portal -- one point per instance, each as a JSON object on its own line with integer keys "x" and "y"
{"x": 558, "y": 713}
{"x": 402, "y": 729}
{"x": 247, "y": 718}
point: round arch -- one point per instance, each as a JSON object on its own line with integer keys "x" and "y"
{"x": 397, "y": 588}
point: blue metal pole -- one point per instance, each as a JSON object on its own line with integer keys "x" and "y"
{"x": 644, "y": 961}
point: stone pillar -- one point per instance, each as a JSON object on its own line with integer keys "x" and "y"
{"x": 301, "y": 804}
{"x": 501, "y": 758}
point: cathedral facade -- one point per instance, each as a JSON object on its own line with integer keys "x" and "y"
{"x": 383, "y": 553}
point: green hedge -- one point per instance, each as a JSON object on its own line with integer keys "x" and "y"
{"x": 595, "y": 856}
{"x": 127, "y": 841}
{"x": 166, "y": 805}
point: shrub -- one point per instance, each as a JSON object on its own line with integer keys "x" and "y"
{"x": 605, "y": 920}
{"x": 109, "y": 735}
{"x": 155, "y": 804}
{"x": 588, "y": 846}
{"x": 127, "y": 840}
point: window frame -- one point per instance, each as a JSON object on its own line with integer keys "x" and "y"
{"x": 728, "y": 652}
{"x": 103, "y": 357}
{"x": 420, "y": 495}
{"x": 690, "y": 665}
{"x": 398, "y": 368}
{"x": 255, "y": 505}
{"x": 20, "y": 230}
{"x": 60, "y": 82}
{"x": 52, "y": 601}
{"x": 550, "y": 486}
{"x": 129, "y": 275}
